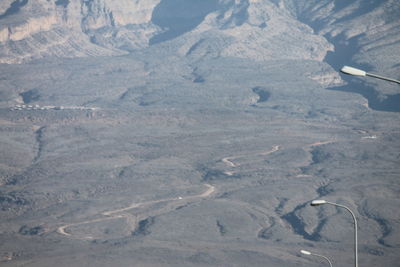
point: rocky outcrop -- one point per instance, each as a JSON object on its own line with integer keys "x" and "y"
{"x": 271, "y": 33}
{"x": 254, "y": 29}
{"x": 63, "y": 28}
{"x": 31, "y": 27}
{"x": 366, "y": 33}
{"x": 258, "y": 30}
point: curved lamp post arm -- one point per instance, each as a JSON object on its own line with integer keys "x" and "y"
{"x": 322, "y": 202}
{"x": 358, "y": 72}
{"x": 305, "y": 252}
{"x": 326, "y": 258}
{"x": 355, "y": 230}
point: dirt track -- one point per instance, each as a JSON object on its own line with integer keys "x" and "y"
{"x": 121, "y": 213}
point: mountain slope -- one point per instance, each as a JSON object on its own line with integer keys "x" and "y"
{"x": 258, "y": 30}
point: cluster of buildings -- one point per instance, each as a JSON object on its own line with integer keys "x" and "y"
{"x": 38, "y": 107}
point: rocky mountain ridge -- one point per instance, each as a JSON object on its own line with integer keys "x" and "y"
{"x": 252, "y": 29}
{"x": 256, "y": 29}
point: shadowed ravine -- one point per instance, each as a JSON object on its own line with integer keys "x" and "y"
{"x": 341, "y": 57}
{"x": 187, "y": 14}
{"x": 345, "y": 50}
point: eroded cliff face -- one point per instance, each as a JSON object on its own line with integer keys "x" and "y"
{"x": 365, "y": 33}
{"x": 62, "y": 28}
{"x": 270, "y": 32}
{"x": 254, "y": 29}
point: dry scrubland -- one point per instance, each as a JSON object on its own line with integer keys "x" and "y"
{"x": 179, "y": 133}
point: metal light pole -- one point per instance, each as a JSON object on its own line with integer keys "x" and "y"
{"x": 358, "y": 72}
{"x": 322, "y": 202}
{"x": 305, "y": 252}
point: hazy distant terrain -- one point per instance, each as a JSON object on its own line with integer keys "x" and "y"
{"x": 196, "y": 133}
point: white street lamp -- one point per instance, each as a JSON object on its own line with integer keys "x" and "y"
{"x": 305, "y": 252}
{"x": 358, "y": 72}
{"x": 322, "y": 202}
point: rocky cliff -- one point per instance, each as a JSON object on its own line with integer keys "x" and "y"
{"x": 254, "y": 29}
{"x": 63, "y": 28}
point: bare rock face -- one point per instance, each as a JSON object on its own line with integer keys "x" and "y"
{"x": 259, "y": 30}
{"x": 274, "y": 34}
{"x": 367, "y": 33}
{"x": 253, "y": 29}
{"x": 123, "y": 25}
{"x": 63, "y": 28}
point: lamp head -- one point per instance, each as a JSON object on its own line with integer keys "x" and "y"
{"x": 305, "y": 252}
{"x": 353, "y": 71}
{"x": 318, "y": 202}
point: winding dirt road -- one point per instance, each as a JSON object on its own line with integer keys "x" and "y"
{"x": 131, "y": 220}
{"x": 229, "y": 160}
